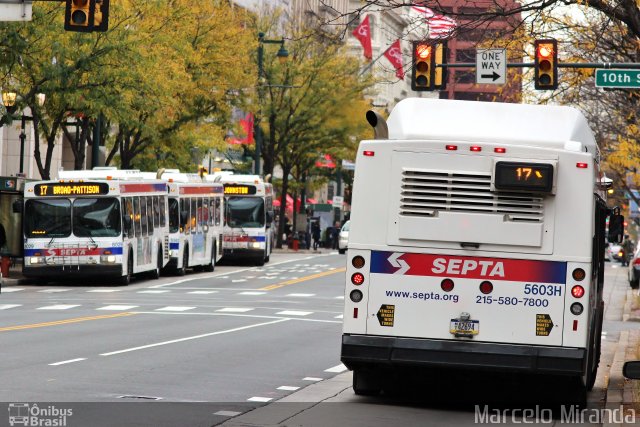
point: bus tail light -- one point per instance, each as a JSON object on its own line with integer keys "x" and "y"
{"x": 475, "y": 148}
{"x": 355, "y": 295}
{"x": 575, "y": 325}
{"x": 447, "y": 285}
{"x": 369, "y": 153}
{"x": 636, "y": 261}
{"x": 486, "y": 287}
{"x": 500, "y": 150}
{"x": 578, "y": 275}
{"x": 582, "y": 165}
{"x": 355, "y": 312}
{"x": 357, "y": 261}
{"x": 576, "y": 308}
{"x": 451, "y": 147}
{"x": 577, "y": 291}
{"x": 357, "y": 279}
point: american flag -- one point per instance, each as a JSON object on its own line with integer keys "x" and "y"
{"x": 440, "y": 26}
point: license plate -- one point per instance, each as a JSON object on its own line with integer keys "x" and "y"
{"x": 464, "y": 327}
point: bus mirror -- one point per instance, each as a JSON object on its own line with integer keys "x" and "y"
{"x": 17, "y": 206}
{"x": 616, "y": 227}
{"x": 631, "y": 370}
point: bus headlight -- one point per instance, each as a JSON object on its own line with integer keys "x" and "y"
{"x": 108, "y": 259}
{"x": 173, "y": 253}
{"x": 36, "y": 260}
{"x": 255, "y": 245}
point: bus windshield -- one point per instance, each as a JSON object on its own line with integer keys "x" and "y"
{"x": 96, "y": 217}
{"x": 245, "y": 212}
{"x": 174, "y": 216}
{"x": 47, "y": 218}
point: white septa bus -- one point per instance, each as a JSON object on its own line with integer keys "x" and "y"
{"x": 476, "y": 242}
{"x": 95, "y": 224}
{"x": 248, "y": 228}
{"x": 195, "y": 221}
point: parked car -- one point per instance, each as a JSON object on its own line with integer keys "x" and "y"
{"x": 343, "y": 238}
{"x": 634, "y": 270}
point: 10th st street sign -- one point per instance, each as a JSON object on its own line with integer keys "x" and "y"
{"x": 618, "y": 78}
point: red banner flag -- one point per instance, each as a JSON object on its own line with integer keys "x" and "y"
{"x": 394, "y": 55}
{"x": 363, "y": 34}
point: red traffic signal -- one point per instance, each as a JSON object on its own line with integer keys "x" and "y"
{"x": 422, "y": 70}
{"x": 546, "y": 64}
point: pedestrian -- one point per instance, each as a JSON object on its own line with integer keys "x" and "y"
{"x": 627, "y": 248}
{"x": 335, "y": 233}
{"x": 315, "y": 234}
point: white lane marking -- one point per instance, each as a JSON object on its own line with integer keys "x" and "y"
{"x": 8, "y": 306}
{"x": 117, "y": 307}
{"x": 58, "y": 307}
{"x": 311, "y": 379}
{"x": 202, "y": 292}
{"x": 153, "y": 291}
{"x": 64, "y": 362}
{"x": 238, "y": 280}
{"x": 12, "y": 290}
{"x": 294, "y": 313}
{"x": 252, "y": 316}
{"x": 226, "y": 331}
{"x": 340, "y": 316}
{"x": 259, "y": 399}
{"x": 340, "y": 297}
{"x": 288, "y": 388}
{"x": 339, "y": 368}
{"x": 175, "y": 308}
{"x": 227, "y": 413}
{"x": 105, "y": 290}
{"x": 301, "y": 295}
{"x": 251, "y": 293}
{"x": 51, "y": 291}
{"x": 234, "y": 310}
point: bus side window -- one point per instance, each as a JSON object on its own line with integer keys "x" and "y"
{"x": 143, "y": 215}
{"x": 156, "y": 211}
{"x": 151, "y": 219}
{"x": 212, "y": 212}
{"x": 218, "y": 210}
{"x": 127, "y": 217}
{"x": 184, "y": 215}
{"x": 205, "y": 211}
{"x": 192, "y": 218}
{"x": 136, "y": 216}
{"x": 163, "y": 209}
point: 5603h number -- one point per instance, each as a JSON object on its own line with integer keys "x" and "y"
{"x": 546, "y": 290}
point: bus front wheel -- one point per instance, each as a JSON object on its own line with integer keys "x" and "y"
{"x": 126, "y": 279}
{"x": 185, "y": 262}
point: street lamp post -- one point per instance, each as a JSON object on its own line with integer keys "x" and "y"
{"x": 40, "y": 100}
{"x": 282, "y": 55}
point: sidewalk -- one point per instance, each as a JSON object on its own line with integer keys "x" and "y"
{"x": 15, "y": 276}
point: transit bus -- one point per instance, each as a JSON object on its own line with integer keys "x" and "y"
{"x": 248, "y": 230}
{"x": 477, "y": 243}
{"x": 95, "y": 224}
{"x": 195, "y": 221}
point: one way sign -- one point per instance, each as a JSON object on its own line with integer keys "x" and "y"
{"x": 491, "y": 66}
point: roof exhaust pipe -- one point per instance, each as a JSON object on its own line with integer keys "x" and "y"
{"x": 379, "y": 125}
{"x": 159, "y": 173}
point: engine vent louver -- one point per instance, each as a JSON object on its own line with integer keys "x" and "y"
{"x": 425, "y": 193}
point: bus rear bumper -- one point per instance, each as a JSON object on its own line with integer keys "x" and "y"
{"x": 360, "y": 351}
{"x": 82, "y": 270}
{"x": 242, "y": 253}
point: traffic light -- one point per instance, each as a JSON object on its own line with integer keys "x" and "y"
{"x": 202, "y": 171}
{"x": 78, "y": 15}
{"x": 422, "y": 72}
{"x": 546, "y": 64}
{"x": 86, "y": 15}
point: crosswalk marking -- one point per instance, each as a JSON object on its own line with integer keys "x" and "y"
{"x": 259, "y": 399}
{"x": 227, "y": 413}
{"x": 153, "y": 291}
{"x": 337, "y": 369}
{"x": 301, "y": 295}
{"x": 175, "y": 308}
{"x": 234, "y": 310}
{"x": 294, "y": 313}
{"x": 314, "y": 379}
{"x": 12, "y": 290}
{"x": 251, "y": 293}
{"x": 8, "y": 306}
{"x": 288, "y": 388}
{"x": 202, "y": 292}
{"x": 117, "y": 307}
{"x": 340, "y": 316}
{"x": 51, "y": 291}
{"x": 58, "y": 307}
{"x": 104, "y": 290}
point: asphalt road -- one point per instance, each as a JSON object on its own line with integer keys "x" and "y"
{"x": 237, "y": 338}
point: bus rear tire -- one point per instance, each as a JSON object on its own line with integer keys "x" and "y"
{"x": 260, "y": 261}
{"x": 155, "y": 273}
{"x": 185, "y": 262}
{"x": 212, "y": 265}
{"x": 634, "y": 283}
{"x": 365, "y": 383}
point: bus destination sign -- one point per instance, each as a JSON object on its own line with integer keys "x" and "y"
{"x": 71, "y": 189}
{"x": 239, "y": 189}
{"x": 524, "y": 176}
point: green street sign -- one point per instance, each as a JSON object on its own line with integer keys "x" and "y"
{"x": 618, "y": 78}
